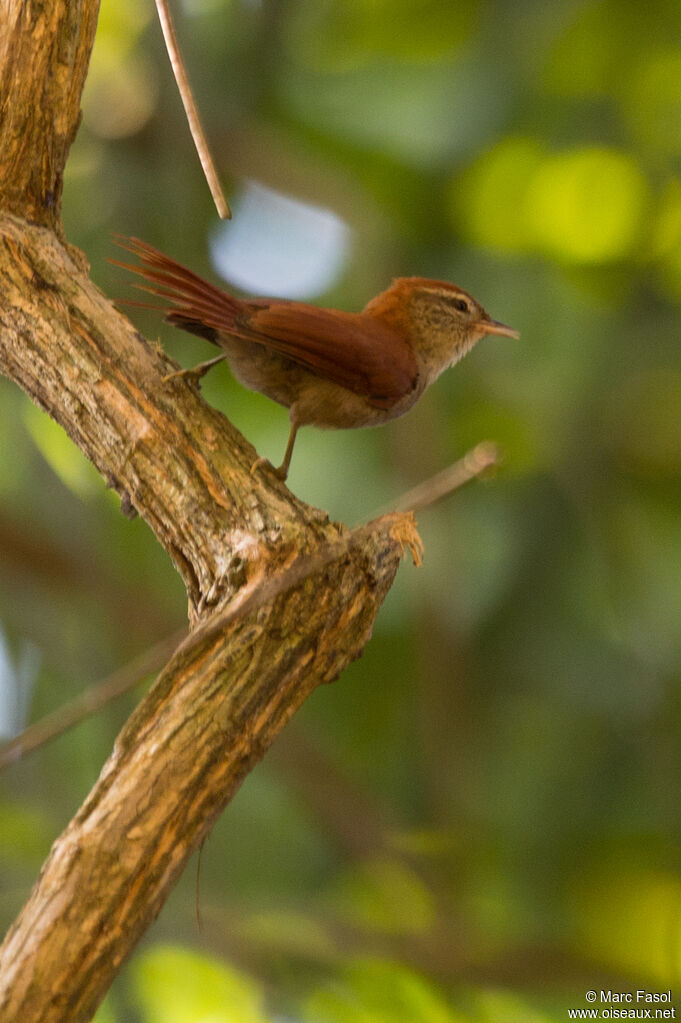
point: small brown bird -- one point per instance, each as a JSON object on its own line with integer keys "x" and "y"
{"x": 331, "y": 369}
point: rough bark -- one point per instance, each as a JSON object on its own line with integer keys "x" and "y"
{"x": 172, "y": 458}
{"x": 280, "y": 599}
{"x": 44, "y": 55}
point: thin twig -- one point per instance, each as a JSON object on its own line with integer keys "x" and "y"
{"x": 397, "y": 521}
{"x": 262, "y": 590}
{"x": 475, "y": 463}
{"x": 89, "y": 701}
{"x": 177, "y": 64}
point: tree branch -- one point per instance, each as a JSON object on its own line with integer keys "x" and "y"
{"x": 171, "y": 457}
{"x": 248, "y": 664}
{"x": 178, "y": 761}
{"x": 44, "y": 56}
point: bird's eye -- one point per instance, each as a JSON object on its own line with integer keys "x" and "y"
{"x": 457, "y": 303}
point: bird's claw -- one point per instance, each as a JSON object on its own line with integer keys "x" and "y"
{"x": 260, "y": 463}
{"x": 181, "y": 374}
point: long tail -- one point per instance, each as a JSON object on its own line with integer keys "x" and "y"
{"x": 196, "y": 305}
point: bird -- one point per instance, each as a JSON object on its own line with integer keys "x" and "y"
{"x": 330, "y": 368}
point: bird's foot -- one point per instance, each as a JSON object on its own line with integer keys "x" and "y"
{"x": 195, "y": 373}
{"x": 279, "y": 471}
{"x": 183, "y": 374}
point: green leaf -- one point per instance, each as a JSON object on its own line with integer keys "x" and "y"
{"x": 507, "y": 1007}
{"x": 384, "y": 895}
{"x": 176, "y": 985}
{"x": 379, "y": 992}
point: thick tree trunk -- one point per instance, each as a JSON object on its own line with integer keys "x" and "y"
{"x": 280, "y": 599}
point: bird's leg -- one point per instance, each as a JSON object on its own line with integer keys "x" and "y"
{"x": 197, "y": 372}
{"x": 282, "y": 470}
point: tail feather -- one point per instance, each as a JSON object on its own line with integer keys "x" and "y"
{"x": 195, "y": 305}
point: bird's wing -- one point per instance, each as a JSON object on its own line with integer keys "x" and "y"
{"x": 354, "y": 350}
{"x": 359, "y": 351}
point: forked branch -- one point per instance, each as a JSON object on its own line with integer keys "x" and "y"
{"x": 231, "y": 687}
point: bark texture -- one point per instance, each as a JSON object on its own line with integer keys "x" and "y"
{"x": 44, "y": 55}
{"x": 280, "y": 599}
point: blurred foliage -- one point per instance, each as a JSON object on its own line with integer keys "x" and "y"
{"x": 173, "y": 985}
{"x": 479, "y": 821}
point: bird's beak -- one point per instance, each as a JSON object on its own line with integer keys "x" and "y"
{"x": 494, "y": 327}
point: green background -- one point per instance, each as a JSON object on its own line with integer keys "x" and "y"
{"x": 480, "y": 820}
